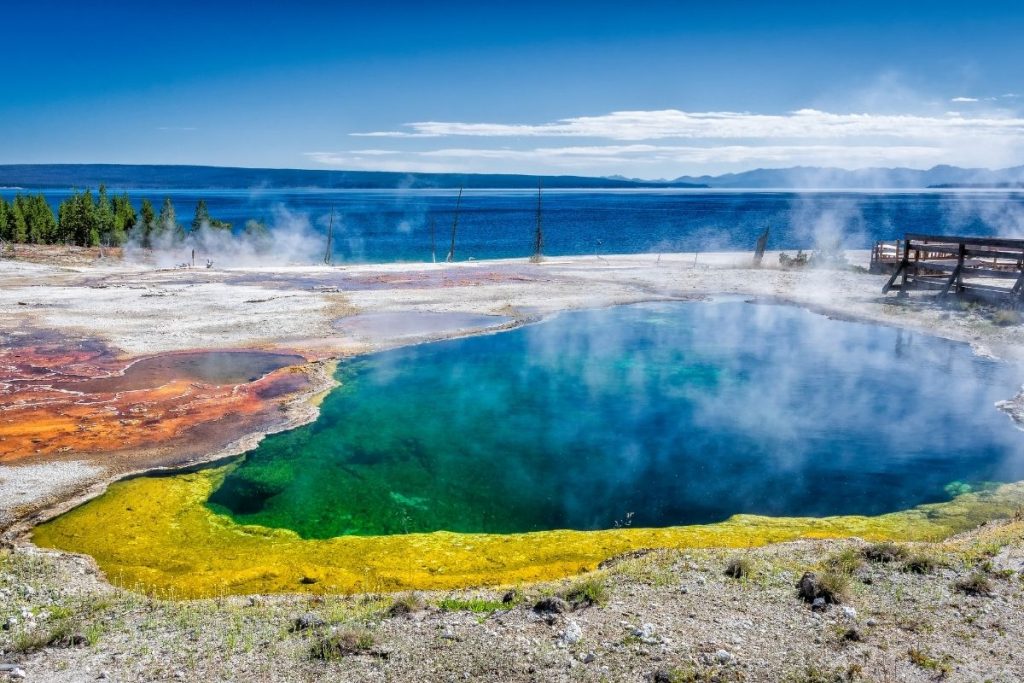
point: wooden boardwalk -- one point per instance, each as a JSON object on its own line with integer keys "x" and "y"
{"x": 989, "y": 268}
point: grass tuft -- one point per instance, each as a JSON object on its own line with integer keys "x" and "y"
{"x": 475, "y": 605}
{"x": 846, "y": 561}
{"x": 406, "y": 604}
{"x": 739, "y": 567}
{"x": 587, "y": 592}
{"x": 832, "y": 586}
{"x": 976, "y": 584}
{"x": 920, "y": 563}
{"x": 1005, "y": 317}
{"x": 698, "y": 674}
{"x": 343, "y": 643}
{"x": 817, "y": 674}
{"x": 924, "y": 660}
{"x": 884, "y": 552}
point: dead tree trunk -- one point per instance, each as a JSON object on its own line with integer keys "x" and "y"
{"x": 328, "y": 254}
{"x": 455, "y": 225}
{"x": 762, "y": 242}
{"x": 433, "y": 243}
{"x": 538, "y": 235}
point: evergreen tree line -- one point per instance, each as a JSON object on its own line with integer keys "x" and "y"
{"x": 89, "y": 221}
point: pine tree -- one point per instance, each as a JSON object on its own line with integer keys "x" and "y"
{"x": 202, "y": 216}
{"x": 78, "y": 220}
{"x": 5, "y": 228}
{"x": 124, "y": 219}
{"x": 167, "y": 225}
{"x": 148, "y": 224}
{"x": 43, "y": 223}
{"x": 105, "y": 217}
{"x": 19, "y": 226}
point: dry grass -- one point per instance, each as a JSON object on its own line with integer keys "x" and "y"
{"x": 885, "y": 552}
{"x": 977, "y": 584}
{"x": 739, "y": 566}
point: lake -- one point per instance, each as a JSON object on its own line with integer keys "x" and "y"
{"x": 388, "y": 225}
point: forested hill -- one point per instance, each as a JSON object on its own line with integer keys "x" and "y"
{"x": 34, "y": 176}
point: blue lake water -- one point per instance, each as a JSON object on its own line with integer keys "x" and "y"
{"x": 395, "y": 225}
{"x": 650, "y": 414}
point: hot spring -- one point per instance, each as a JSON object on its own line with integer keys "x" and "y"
{"x": 538, "y": 451}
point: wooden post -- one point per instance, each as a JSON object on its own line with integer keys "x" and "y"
{"x": 900, "y": 269}
{"x": 906, "y": 268}
{"x": 956, "y": 276}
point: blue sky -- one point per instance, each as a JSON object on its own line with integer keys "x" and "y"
{"x": 643, "y": 89}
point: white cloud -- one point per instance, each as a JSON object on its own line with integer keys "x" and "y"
{"x": 654, "y": 154}
{"x": 807, "y": 124}
{"x": 964, "y": 99}
{"x": 672, "y": 142}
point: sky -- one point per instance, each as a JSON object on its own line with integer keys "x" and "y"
{"x": 640, "y": 89}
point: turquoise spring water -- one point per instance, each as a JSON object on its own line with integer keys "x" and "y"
{"x": 649, "y": 415}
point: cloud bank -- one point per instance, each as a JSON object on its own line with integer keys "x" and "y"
{"x": 671, "y": 142}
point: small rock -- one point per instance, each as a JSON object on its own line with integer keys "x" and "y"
{"x": 588, "y": 658}
{"x": 808, "y": 586}
{"x": 572, "y": 634}
{"x": 646, "y": 634}
{"x": 872, "y": 622}
{"x": 306, "y": 622}
{"x": 551, "y": 606}
{"x": 663, "y": 676}
{"x": 103, "y": 676}
{"x": 17, "y": 674}
{"x": 511, "y": 597}
{"x": 849, "y": 612}
{"x": 723, "y": 656}
{"x": 684, "y": 590}
{"x": 818, "y": 605}
{"x": 853, "y": 635}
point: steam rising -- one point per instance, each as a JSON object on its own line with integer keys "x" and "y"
{"x": 289, "y": 239}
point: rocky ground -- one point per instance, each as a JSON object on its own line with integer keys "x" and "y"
{"x": 949, "y": 611}
{"x": 885, "y": 613}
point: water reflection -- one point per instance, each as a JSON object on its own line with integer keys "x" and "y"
{"x": 651, "y": 415}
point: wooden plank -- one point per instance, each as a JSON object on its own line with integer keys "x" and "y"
{"x": 969, "y": 269}
{"x": 978, "y": 252}
{"x": 976, "y": 271}
{"x": 991, "y": 253}
{"x": 955, "y": 276}
{"x": 895, "y": 274}
{"x": 984, "y": 241}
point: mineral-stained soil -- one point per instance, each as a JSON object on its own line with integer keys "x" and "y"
{"x": 62, "y": 397}
{"x": 67, "y": 399}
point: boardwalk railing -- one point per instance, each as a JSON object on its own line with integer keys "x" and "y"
{"x": 986, "y": 267}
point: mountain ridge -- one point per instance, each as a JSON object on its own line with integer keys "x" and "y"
{"x": 170, "y": 176}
